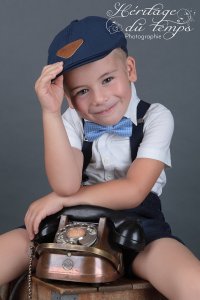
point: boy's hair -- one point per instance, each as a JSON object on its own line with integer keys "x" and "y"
{"x": 84, "y": 41}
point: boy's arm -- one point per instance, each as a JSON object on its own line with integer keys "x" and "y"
{"x": 124, "y": 193}
{"x": 63, "y": 163}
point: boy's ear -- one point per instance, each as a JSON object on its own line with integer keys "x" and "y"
{"x": 131, "y": 69}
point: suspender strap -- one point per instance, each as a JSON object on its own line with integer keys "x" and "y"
{"x": 135, "y": 139}
{"x": 87, "y": 155}
{"x": 137, "y": 131}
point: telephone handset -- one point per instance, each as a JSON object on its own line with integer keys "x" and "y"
{"x": 124, "y": 226}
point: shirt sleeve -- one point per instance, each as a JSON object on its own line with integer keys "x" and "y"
{"x": 158, "y": 131}
{"x": 74, "y": 127}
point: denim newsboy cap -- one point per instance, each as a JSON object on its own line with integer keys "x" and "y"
{"x": 84, "y": 41}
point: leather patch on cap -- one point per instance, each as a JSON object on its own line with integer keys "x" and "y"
{"x": 68, "y": 50}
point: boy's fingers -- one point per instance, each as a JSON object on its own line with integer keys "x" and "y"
{"x": 29, "y": 230}
{"x": 58, "y": 81}
{"x": 36, "y": 224}
{"x": 52, "y": 72}
{"x": 44, "y": 81}
{"x": 26, "y": 222}
{"x": 47, "y": 79}
{"x": 29, "y": 221}
{"x": 50, "y": 68}
{"x": 30, "y": 234}
{"x": 52, "y": 65}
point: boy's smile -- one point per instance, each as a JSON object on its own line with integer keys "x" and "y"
{"x": 100, "y": 91}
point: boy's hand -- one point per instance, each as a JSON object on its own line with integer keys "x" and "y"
{"x": 39, "y": 210}
{"x": 49, "y": 90}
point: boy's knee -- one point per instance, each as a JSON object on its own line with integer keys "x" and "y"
{"x": 17, "y": 238}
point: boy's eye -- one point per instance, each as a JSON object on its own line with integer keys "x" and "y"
{"x": 107, "y": 80}
{"x": 82, "y": 92}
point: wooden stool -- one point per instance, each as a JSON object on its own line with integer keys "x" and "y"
{"x": 122, "y": 289}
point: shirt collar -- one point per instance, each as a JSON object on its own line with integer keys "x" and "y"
{"x": 131, "y": 112}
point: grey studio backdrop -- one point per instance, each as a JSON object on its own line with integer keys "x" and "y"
{"x": 168, "y": 72}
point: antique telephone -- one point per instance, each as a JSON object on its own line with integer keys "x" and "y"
{"x": 85, "y": 244}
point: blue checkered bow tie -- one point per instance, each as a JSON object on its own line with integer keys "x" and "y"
{"x": 93, "y": 131}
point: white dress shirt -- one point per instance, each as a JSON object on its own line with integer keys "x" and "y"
{"x": 111, "y": 154}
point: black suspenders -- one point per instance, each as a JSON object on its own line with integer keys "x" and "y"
{"x": 135, "y": 139}
{"x": 137, "y": 131}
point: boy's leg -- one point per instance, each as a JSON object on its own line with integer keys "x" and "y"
{"x": 14, "y": 253}
{"x": 171, "y": 268}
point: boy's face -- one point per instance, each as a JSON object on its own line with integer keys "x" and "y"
{"x": 101, "y": 91}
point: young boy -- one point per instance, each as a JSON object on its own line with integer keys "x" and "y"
{"x": 89, "y": 64}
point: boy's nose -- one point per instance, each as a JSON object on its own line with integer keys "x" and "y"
{"x": 100, "y": 96}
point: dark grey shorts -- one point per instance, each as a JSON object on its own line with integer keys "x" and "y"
{"x": 152, "y": 220}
